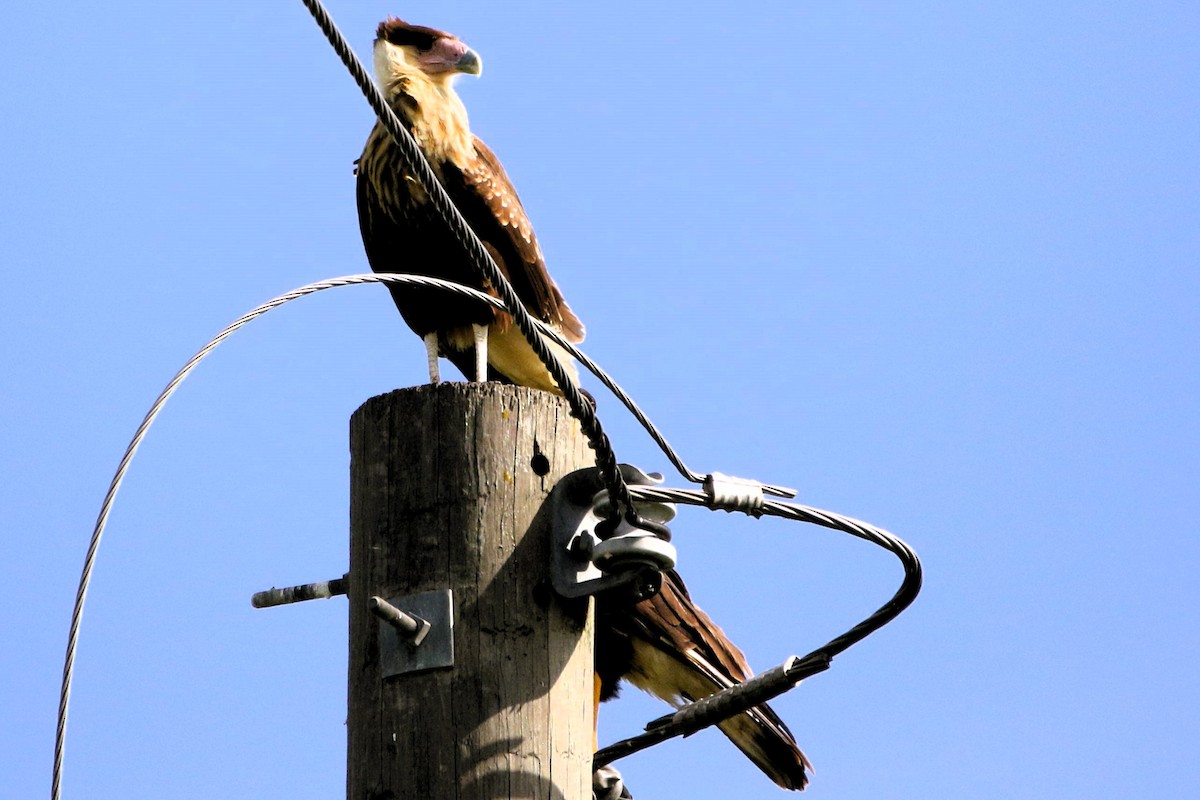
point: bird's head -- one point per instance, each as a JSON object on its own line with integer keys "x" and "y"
{"x": 404, "y": 51}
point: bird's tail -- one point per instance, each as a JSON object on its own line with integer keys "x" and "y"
{"x": 680, "y": 654}
{"x": 762, "y": 736}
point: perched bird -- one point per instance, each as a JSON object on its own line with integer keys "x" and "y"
{"x": 670, "y": 648}
{"x": 416, "y": 67}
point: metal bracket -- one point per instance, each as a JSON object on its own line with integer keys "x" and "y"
{"x": 434, "y": 647}
{"x": 630, "y": 561}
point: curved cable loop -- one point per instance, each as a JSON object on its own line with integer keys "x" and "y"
{"x": 622, "y": 499}
{"x": 716, "y": 708}
{"x": 691, "y": 497}
{"x": 156, "y": 407}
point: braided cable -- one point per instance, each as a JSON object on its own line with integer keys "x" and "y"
{"x": 620, "y": 494}
{"x": 909, "y": 588}
{"x": 863, "y": 530}
{"x": 89, "y": 561}
{"x": 156, "y": 407}
{"x": 718, "y": 707}
{"x": 693, "y": 497}
{"x": 486, "y": 267}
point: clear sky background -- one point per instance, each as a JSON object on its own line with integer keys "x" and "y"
{"x": 934, "y": 264}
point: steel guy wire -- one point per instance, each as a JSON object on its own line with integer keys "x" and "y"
{"x": 89, "y": 561}
{"x": 692, "y": 497}
{"x": 156, "y": 407}
{"x": 901, "y": 600}
{"x": 622, "y": 499}
{"x": 716, "y": 708}
{"x": 487, "y": 268}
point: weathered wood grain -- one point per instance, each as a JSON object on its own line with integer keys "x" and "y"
{"x": 445, "y": 493}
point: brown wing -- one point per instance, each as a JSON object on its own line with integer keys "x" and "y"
{"x": 490, "y": 204}
{"x": 402, "y": 232}
{"x": 670, "y": 648}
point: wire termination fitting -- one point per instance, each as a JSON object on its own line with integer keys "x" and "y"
{"x": 734, "y": 494}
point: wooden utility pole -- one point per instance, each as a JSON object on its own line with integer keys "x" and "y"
{"x": 447, "y": 482}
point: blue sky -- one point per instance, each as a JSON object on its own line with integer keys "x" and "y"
{"x": 933, "y": 264}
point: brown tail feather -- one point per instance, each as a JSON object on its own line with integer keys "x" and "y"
{"x": 670, "y": 648}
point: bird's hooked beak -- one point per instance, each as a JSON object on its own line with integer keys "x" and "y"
{"x": 469, "y": 63}
{"x": 449, "y": 56}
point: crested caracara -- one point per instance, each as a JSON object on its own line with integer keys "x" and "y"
{"x": 416, "y": 67}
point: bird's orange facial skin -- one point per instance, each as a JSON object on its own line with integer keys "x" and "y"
{"x": 449, "y": 55}
{"x": 424, "y": 72}
{"x": 434, "y": 53}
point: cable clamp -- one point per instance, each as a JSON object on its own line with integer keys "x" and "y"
{"x": 591, "y": 555}
{"x": 728, "y": 493}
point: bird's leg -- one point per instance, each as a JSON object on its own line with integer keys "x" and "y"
{"x": 481, "y": 338}
{"x": 431, "y": 351}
